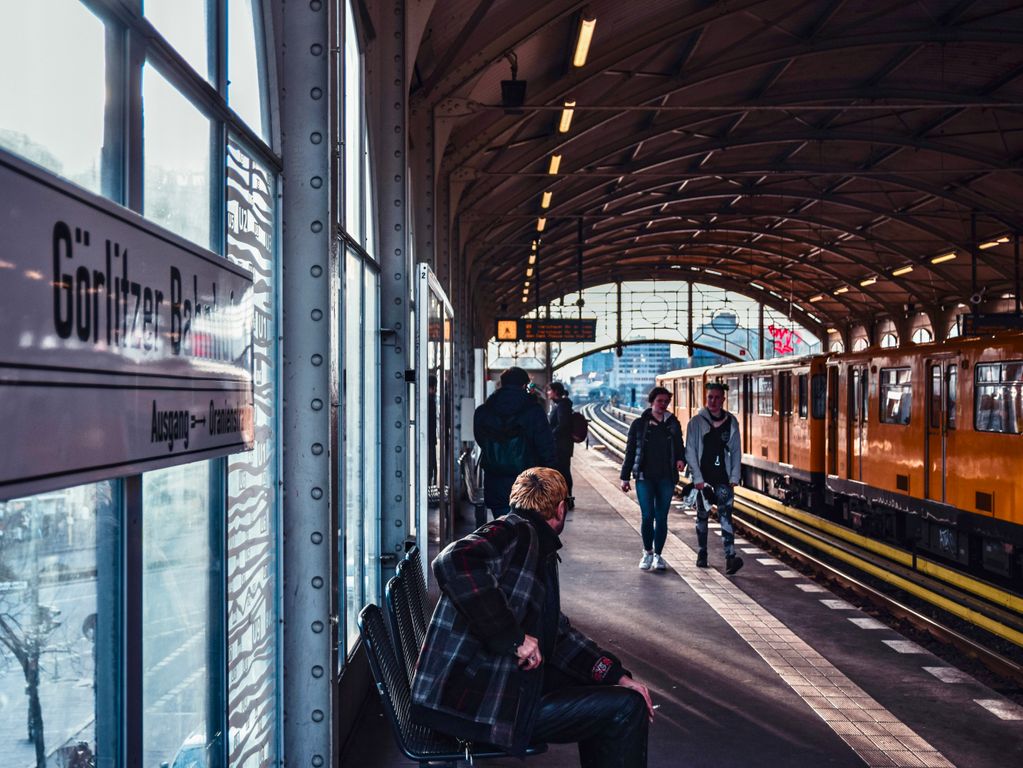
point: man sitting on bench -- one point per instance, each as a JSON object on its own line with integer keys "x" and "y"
{"x": 502, "y": 665}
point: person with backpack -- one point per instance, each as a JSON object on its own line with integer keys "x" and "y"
{"x": 715, "y": 459}
{"x": 512, "y": 432}
{"x": 654, "y": 456}
{"x": 560, "y": 418}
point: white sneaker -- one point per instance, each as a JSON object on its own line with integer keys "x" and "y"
{"x": 647, "y": 561}
{"x": 659, "y": 564}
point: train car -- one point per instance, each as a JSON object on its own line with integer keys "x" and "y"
{"x": 780, "y": 406}
{"x": 924, "y": 447}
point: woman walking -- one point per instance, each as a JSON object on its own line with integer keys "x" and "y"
{"x": 655, "y": 457}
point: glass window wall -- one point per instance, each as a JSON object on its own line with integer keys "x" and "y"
{"x": 177, "y": 159}
{"x": 52, "y": 107}
{"x": 179, "y": 564}
{"x": 58, "y": 602}
{"x": 246, "y": 76}
{"x": 184, "y": 24}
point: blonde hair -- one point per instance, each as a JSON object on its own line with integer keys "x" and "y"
{"x": 539, "y": 489}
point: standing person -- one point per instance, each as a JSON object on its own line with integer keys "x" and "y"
{"x": 513, "y": 435}
{"x": 654, "y": 456}
{"x": 560, "y": 419}
{"x": 715, "y": 459}
{"x": 502, "y": 665}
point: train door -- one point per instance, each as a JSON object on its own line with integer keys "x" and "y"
{"x": 942, "y": 383}
{"x": 858, "y": 414}
{"x": 833, "y": 420}
{"x": 785, "y": 417}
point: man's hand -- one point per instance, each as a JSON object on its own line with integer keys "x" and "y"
{"x": 680, "y": 466}
{"x": 625, "y": 486}
{"x": 528, "y": 653}
{"x": 628, "y": 682}
{"x": 699, "y": 486}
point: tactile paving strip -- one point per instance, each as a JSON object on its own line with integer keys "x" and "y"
{"x": 874, "y": 733}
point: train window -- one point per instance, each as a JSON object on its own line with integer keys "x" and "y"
{"x": 765, "y": 395}
{"x": 858, "y": 395}
{"x": 998, "y": 398}
{"x": 950, "y": 396}
{"x": 733, "y": 393}
{"x": 935, "y": 404}
{"x": 803, "y": 405}
{"x": 785, "y": 394}
{"x": 896, "y": 395}
{"x": 818, "y": 395}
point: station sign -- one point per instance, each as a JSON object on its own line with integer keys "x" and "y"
{"x": 123, "y": 347}
{"x": 546, "y": 329}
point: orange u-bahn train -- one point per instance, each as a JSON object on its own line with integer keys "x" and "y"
{"x": 922, "y": 445}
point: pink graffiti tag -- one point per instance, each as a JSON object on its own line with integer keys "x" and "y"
{"x": 785, "y": 339}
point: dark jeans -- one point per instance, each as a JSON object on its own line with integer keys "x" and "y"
{"x": 565, "y": 468}
{"x": 724, "y": 497}
{"x": 609, "y": 722}
{"x": 654, "y": 497}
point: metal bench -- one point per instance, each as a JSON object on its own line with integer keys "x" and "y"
{"x": 424, "y": 745}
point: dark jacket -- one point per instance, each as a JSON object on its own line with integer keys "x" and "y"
{"x": 560, "y": 419}
{"x": 494, "y": 583}
{"x": 516, "y": 405}
{"x": 636, "y": 448}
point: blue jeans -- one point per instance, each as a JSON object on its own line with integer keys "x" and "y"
{"x": 724, "y": 497}
{"x": 654, "y": 498}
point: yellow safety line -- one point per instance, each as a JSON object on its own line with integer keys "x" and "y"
{"x": 967, "y": 614}
{"x": 928, "y": 567}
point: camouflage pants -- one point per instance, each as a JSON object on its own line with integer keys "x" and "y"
{"x": 724, "y": 498}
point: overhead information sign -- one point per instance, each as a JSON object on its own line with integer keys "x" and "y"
{"x": 123, "y": 347}
{"x": 546, "y": 329}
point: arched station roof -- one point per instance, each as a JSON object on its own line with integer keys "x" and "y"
{"x": 799, "y": 148}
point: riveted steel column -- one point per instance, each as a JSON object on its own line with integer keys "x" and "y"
{"x": 388, "y": 95}
{"x": 309, "y": 384}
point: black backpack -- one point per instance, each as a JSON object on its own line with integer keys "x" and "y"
{"x": 504, "y": 453}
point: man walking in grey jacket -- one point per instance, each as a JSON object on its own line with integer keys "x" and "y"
{"x": 714, "y": 456}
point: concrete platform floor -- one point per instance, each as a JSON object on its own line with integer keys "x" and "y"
{"x": 762, "y": 668}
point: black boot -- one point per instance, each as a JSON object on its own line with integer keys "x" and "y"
{"x": 732, "y": 564}
{"x": 701, "y": 559}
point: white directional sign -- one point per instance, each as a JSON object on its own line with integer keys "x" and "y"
{"x": 122, "y": 346}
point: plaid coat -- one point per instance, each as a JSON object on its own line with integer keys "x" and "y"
{"x": 467, "y": 681}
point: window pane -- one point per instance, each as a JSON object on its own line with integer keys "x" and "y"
{"x": 52, "y": 106}
{"x": 896, "y": 395}
{"x": 251, "y": 480}
{"x": 246, "y": 85}
{"x": 352, "y": 120}
{"x": 354, "y": 447}
{"x": 371, "y": 453}
{"x": 819, "y": 393}
{"x": 175, "y": 614}
{"x": 183, "y": 23}
{"x": 803, "y": 405}
{"x": 177, "y": 160}
{"x": 935, "y": 404}
{"x": 57, "y": 621}
{"x": 765, "y": 395}
{"x": 733, "y": 394}
{"x": 951, "y": 396}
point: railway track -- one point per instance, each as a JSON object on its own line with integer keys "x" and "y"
{"x": 979, "y": 619}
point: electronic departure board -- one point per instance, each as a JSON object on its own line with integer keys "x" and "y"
{"x": 546, "y": 329}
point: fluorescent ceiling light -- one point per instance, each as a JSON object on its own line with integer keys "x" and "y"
{"x": 757, "y": 285}
{"x": 902, "y": 270}
{"x": 582, "y": 43}
{"x": 944, "y": 257}
{"x": 818, "y": 297}
{"x": 832, "y": 330}
{"x": 555, "y": 164}
{"x": 566, "y": 117}
{"x": 525, "y": 299}
{"x": 541, "y": 223}
{"x": 843, "y": 289}
{"x": 868, "y": 281}
{"x": 545, "y": 202}
{"x": 525, "y": 287}
{"x": 532, "y": 259}
{"x": 993, "y": 243}
{"x": 529, "y": 271}
{"x": 711, "y": 272}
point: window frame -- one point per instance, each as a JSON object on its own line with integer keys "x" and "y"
{"x": 905, "y": 387}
